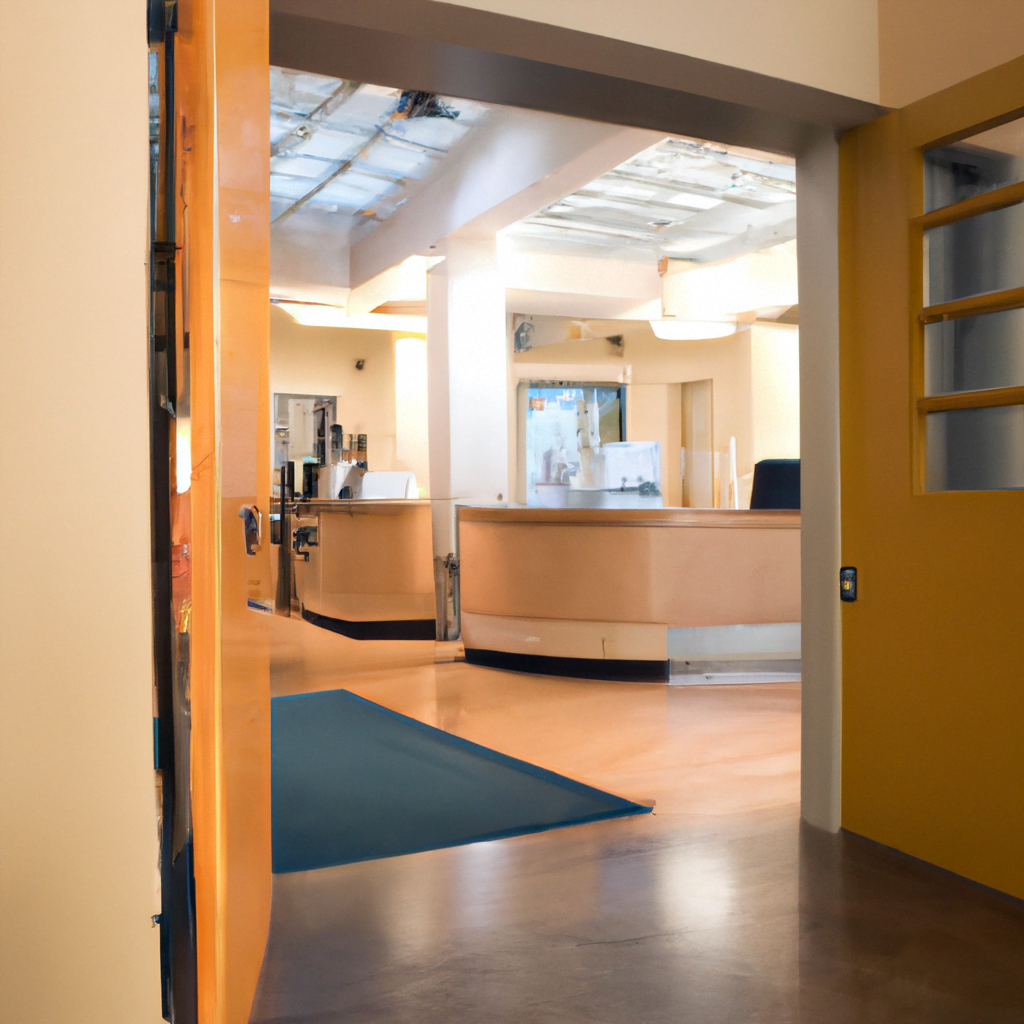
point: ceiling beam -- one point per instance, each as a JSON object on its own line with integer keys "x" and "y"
{"x": 517, "y": 163}
{"x": 456, "y": 50}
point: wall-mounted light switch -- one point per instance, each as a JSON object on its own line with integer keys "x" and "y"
{"x": 848, "y": 583}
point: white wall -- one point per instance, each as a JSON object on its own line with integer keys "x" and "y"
{"x": 78, "y": 800}
{"x": 830, "y": 44}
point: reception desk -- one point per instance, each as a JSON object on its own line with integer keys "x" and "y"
{"x": 365, "y": 568}
{"x": 625, "y": 593}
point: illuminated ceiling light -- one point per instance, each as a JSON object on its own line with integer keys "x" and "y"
{"x": 694, "y": 330}
{"x": 312, "y": 314}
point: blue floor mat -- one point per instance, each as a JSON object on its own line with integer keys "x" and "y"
{"x": 354, "y": 781}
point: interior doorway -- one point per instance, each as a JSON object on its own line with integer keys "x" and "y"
{"x": 588, "y": 612}
{"x": 638, "y": 295}
{"x": 353, "y": 47}
{"x": 780, "y": 134}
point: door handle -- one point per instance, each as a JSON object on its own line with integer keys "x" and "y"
{"x": 253, "y": 525}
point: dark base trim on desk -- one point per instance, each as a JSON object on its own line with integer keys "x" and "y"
{"x": 389, "y": 629}
{"x": 578, "y": 668}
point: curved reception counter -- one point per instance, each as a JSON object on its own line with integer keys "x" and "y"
{"x": 629, "y": 594}
{"x": 365, "y": 569}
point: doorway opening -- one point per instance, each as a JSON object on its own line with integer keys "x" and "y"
{"x": 556, "y": 360}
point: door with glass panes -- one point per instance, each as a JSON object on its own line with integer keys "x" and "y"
{"x": 932, "y": 454}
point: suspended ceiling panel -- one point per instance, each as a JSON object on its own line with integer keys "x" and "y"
{"x": 681, "y": 198}
{"x": 355, "y": 151}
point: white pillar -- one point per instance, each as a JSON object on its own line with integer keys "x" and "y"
{"x": 817, "y": 182}
{"x": 467, "y": 383}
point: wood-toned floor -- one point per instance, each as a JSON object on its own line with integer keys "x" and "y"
{"x": 719, "y": 907}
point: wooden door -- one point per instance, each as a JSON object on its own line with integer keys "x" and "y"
{"x": 222, "y": 113}
{"x": 932, "y": 455}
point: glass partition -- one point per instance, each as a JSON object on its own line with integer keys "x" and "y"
{"x": 576, "y": 455}
{"x": 974, "y": 353}
{"x": 975, "y": 165}
{"x": 979, "y": 254}
{"x": 976, "y": 449}
{"x": 566, "y": 424}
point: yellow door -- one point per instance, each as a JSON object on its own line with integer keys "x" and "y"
{"x": 222, "y": 108}
{"x": 932, "y": 452}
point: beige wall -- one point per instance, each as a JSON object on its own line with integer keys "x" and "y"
{"x": 322, "y": 361}
{"x": 775, "y": 391}
{"x": 830, "y": 44}
{"x": 654, "y": 412}
{"x": 657, "y": 367}
{"x": 756, "y": 390}
{"x": 927, "y": 45}
{"x": 78, "y": 812}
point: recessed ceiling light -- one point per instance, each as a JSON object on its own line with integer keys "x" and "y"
{"x": 693, "y": 330}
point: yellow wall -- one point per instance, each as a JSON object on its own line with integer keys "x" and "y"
{"x": 830, "y": 44}
{"x": 933, "y": 762}
{"x": 79, "y": 840}
{"x": 927, "y": 45}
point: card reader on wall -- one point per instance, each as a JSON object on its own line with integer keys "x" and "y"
{"x": 848, "y": 583}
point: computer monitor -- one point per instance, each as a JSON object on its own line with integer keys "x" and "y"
{"x": 776, "y": 484}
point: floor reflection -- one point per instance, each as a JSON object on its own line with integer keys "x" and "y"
{"x": 719, "y": 908}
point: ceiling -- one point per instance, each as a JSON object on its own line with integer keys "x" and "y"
{"x": 603, "y": 204}
{"x": 355, "y": 151}
{"x": 680, "y": 198}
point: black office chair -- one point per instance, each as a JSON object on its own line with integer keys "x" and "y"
{"x": 776, "y": 484}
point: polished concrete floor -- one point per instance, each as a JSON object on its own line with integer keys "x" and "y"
{"x": 719, "y": 907}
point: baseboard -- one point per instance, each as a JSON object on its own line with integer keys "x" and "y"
{"x": 612, "y": 669}
{"x": 394, "y": 629}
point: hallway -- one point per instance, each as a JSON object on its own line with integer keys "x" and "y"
{"x": 719, "y": 907}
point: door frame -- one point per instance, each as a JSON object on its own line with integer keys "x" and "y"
{"x": 496, "y": 58}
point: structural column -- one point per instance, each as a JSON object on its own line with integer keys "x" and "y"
{"x": 817, "y": 178}
{"x": 467, "y": 394}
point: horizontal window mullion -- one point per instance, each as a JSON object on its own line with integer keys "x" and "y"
{"x": 991, "y": 398}
{"x": 997, "y": 199}
{"x": 973, "y": 305}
